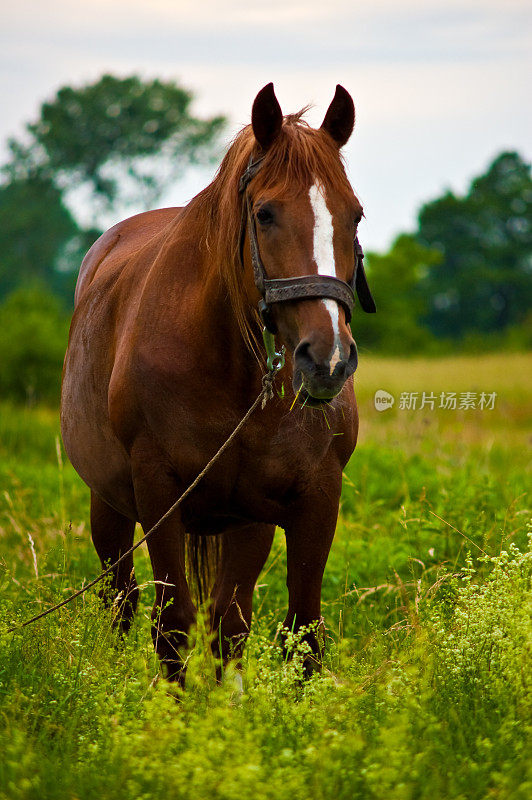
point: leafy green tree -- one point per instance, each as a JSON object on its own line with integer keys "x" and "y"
{"x": 39, "y": 238}
{"x": 124, "y": 138}
{"x": 394, "y": 279}
{"x": 33, "y": 338}
{"x": 483, "y": 282}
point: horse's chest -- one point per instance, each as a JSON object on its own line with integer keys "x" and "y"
{"x": 263, "y": 476}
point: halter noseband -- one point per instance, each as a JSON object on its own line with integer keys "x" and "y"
{"x": 280, "y": 290}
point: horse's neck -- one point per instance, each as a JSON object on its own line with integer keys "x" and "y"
{"x": 203, "y": 309}
{"x": 225, "y": 334}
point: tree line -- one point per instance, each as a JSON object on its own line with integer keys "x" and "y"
{"x": 461, "y": 279}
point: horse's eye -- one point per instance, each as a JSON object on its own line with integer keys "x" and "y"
{"x": 264, "y": 215}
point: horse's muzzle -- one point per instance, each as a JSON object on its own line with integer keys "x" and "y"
{"x": 318, "y": 381}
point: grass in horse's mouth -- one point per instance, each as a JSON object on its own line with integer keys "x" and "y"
{"x": 308, "y": 401}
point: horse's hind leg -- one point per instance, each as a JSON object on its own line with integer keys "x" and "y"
{"x": 244, "y": 552}
{"x": 112, "y": 535}
{"x": 173, "y": 613}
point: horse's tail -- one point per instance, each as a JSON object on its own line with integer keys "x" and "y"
{"x": 202, "y": 558}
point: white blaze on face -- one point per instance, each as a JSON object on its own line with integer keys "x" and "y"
{"x": 324, "y": 258}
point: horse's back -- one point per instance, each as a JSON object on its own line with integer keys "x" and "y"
{"x": 123, "y": 240}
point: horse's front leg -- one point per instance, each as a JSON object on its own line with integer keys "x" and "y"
{"x": 244, "y": 553}
{"x": 309, "y": 536}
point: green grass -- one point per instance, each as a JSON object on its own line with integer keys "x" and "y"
{"x": 427, "y": 598}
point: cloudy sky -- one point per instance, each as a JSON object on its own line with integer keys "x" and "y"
{"x": 440, "y": 86}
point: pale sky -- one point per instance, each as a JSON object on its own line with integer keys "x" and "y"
{"x": 440, "y": 86}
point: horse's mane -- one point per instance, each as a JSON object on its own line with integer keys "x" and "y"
{"x": 299, "y": 156}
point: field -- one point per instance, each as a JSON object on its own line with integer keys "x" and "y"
{"x": 427, "y": 687}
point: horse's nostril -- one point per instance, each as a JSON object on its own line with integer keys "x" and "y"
{"x": 352, "y": 362}
{"x": 302, "y": 356}
{"x": 307, "y": 363}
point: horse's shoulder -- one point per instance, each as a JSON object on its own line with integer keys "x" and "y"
{"x": 122, "y": 240}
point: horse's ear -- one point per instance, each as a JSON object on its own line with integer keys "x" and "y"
{"x": 340, "y": 117}
{"x": 266, "y": 117}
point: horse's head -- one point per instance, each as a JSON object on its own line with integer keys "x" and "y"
{"x": 300, "y": 216}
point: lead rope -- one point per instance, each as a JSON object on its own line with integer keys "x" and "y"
{"x": 275, "y": 363}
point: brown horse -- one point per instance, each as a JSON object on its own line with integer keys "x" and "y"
{"x": 163, "y": 361}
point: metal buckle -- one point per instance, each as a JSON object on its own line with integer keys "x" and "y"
{"x": 274, "y": 359}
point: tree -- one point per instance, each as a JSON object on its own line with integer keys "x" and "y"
{"x": 124, "y": 138}
{"x": 394, "y": 278}
{"x": 37, "y": 233}
{"x": 33, "y": 337}
{"x": 483, "y": 280}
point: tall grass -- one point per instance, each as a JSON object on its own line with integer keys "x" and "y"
{"x": 426, "y": 690}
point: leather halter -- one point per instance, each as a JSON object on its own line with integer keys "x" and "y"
{"x": 280, "y": 290}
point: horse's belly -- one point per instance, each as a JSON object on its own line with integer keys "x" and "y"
{"x": 212, "y": 524}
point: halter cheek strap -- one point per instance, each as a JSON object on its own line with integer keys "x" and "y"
{"x": 280, "y": 290}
